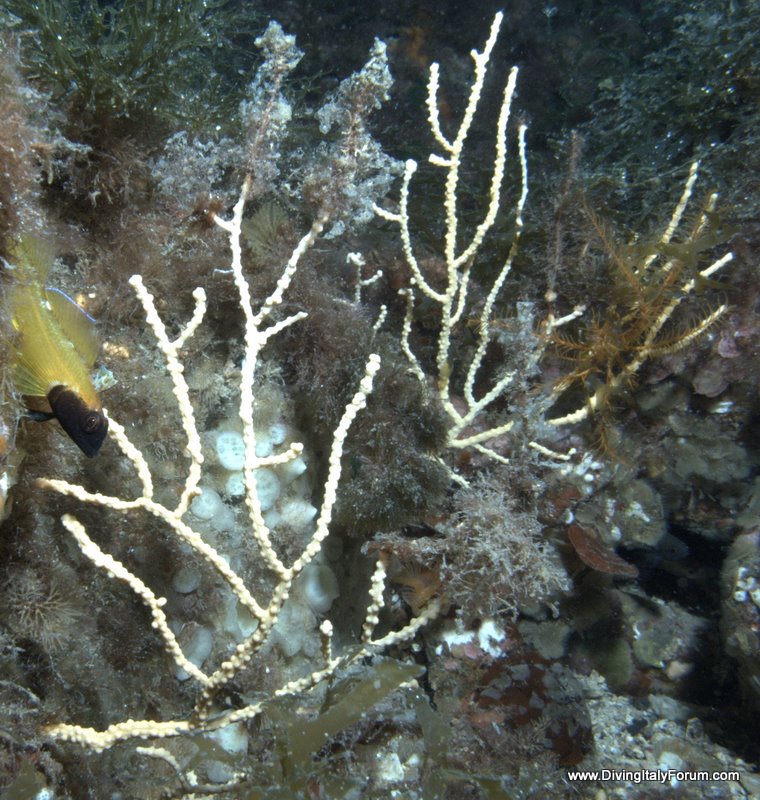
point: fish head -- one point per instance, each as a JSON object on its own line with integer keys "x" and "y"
{"x": 86, "y": 426}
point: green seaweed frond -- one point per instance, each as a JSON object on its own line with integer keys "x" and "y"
{"x": 127, "y": 59}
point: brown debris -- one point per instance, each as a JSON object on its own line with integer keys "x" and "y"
{"x": 596, "y": 554}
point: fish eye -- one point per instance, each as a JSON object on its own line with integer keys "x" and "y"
{"x": 91, "y": 422}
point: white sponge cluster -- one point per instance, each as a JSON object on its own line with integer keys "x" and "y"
{"x": 311, "y": 597}
{"x": 283, "y": 490}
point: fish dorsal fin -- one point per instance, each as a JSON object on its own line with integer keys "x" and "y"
{"x": 34, "y": 255}
{"x": 76, "y": 325}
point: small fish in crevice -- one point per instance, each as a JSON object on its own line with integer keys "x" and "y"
{"x": 55, "y": 350}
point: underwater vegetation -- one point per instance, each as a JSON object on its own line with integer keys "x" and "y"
{"x": 122, "y": 76}
{"x": 641, "y": 317}
{"x": 111, "y": 62}
{"x": 692, "y": 93}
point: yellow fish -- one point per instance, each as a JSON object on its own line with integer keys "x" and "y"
{"x": 56, "y": 348}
